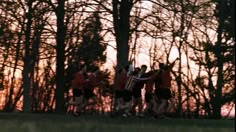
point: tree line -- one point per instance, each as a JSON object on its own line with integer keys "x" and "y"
{"x": 43, "y": 41}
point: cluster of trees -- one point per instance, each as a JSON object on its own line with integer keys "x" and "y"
{"x": 43, "y": 41}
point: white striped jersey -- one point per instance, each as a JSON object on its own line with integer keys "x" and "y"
{"x": 131, "y": 82}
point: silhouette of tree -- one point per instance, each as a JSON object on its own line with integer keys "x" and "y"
{"x": 92, "y": 48}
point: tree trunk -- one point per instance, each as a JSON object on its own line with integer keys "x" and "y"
{"x": 60, "y": 57}
{"x": 121, "y": 19}
{"x": 27, "y": 62}
{"x": 217, "y": 101}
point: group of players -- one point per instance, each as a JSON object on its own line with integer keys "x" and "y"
{"x": 158, "y": 96}
{"x": 83, "y": 86}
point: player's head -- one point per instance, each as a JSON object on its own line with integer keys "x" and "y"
{"x": 143, "y": 68}
{"x": 83, "y": 68}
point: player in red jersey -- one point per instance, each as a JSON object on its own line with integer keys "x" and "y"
{"x": 95, "y": 80}
{"x": 78, "y": 85}
{"x": 122, "y": 78}
{"x": 164, "y": 92}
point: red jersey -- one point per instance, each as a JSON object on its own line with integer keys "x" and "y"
{"x": 95, "y": 79}
{"x": 93, "y": 82}
{"x": 79, "y": 81}
{"x": 166, "y": 77}
{"x": 122, "y": 78}
{"x": 101, "y": 76}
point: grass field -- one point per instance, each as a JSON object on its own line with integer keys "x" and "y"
{"x": 21, "y": 122}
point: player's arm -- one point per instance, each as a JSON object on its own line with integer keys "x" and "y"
{"x": 172, "y": 64}
{"x": 140, "y": 79}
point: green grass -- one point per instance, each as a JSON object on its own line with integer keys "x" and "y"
{"x": 21, "y": 122}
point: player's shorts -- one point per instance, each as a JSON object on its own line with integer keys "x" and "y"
{"x": 88, "y": 93}
{"x": 148, "y": 97}
{"x": 77, "y": 92}
{"x": 127, "y": 95}
{"x": 136, "y": 92}
{"x": 118, "y": 94}
{"x": 163, "y": 93}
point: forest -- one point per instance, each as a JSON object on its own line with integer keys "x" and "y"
{"x": 43, "y": 41}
